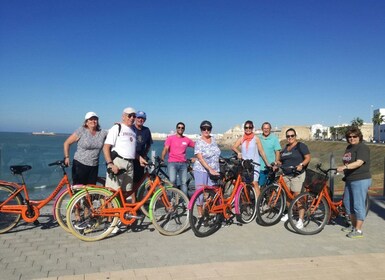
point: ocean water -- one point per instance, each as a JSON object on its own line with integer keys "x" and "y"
{"x": 38, "y": 151}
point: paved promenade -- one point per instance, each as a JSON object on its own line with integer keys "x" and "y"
{"x": 235, "y": 252}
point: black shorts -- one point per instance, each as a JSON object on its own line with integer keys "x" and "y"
{"x": 84, "y": 174}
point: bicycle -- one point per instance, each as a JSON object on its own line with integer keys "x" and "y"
{"x": 93, "y": 213}
{"x": 13, "y": 206}
{"x": 209, "y": 205}
{"x": 317, "y": 204}
{"x": 271, "y": 202}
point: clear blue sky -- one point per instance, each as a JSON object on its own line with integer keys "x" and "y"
{"x": 288, "y": 62}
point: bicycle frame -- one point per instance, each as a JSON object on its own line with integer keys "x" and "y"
{"x": 125, "y": 206}
{"x": 30, "y": 210}
{"x": 222, "y": 204}
{"x": 282, "y": 187}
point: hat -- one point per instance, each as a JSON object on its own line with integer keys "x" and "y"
{"x": 90, "y": 115}
{"x": 206, "y": 124}
{"x": 141, "y": 114}
{"x": 129, "y": 110}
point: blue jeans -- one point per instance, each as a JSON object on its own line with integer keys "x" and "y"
{"x": 180, "y": 169}
{"x": 355, "y": 197}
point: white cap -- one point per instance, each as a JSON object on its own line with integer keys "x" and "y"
{"x": 90, "y": 115}
{"x": 129, "y": 110}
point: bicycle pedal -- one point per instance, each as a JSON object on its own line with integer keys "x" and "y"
{"x": 137, "y": 217}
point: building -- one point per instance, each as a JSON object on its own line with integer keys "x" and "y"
{"x": 379, "y": 130}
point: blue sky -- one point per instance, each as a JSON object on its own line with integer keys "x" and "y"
{"x": 287, "y": 62}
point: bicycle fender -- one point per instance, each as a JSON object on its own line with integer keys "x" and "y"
{"x": 86, "y": 189}
{"x": 237, "y": 199}
{"x": 198, "y": 192}
{"x": 152, "y": 201}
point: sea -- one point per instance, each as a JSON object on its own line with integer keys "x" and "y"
{"x": 38, "y": 151}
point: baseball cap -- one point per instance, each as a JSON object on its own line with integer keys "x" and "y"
{"x": 129, "y": 110}
{"x": 141, "y": 114}
{"x": 90, "y": 115}
{"x": 206, "y": 124}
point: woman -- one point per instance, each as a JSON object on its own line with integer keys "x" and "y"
{"x": 251, "y": 148}
{"x": 357, "y": 180}
{"x": 207, "y": 153}
{"x": 294, "y": 158}
{"x": 90, "y": 140}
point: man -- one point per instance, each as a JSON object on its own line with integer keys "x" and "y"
{"x": 176, "y": 146}
{"x": 143, "y": 143}
{"x": 271, "y": 146}
{"x": 120, "y": 151}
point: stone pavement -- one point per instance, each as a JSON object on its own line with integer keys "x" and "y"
{"x": 235, "y": 252}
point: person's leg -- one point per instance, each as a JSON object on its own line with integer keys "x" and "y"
{"x": 359, "y": 192}
{"x": 183, "y": 177}
{"x": 92, "y": 174}
{"x": 172, "y": 172}
{"x": 262, "y": 178}
{"x": 255, "y": 180}
{"x": 200, "y": 181}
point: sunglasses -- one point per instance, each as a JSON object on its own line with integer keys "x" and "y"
{"x": 180, "y": 127}
{"x": 248, "y": 127}
{"x": 352, "y": 136}
{"x": 205, "y": 129}
{"x": 290, "y": 136}
{"x": 131, "y": 115}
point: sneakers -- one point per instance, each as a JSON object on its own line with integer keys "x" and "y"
{"x": 285, "y": 218}
{"x": 355, "y": 234}
{"x": 116, "y": 228}
{"x": 299, "y": 224}
{"x": 81, "y": 224}
{"x": 347, "y": 229}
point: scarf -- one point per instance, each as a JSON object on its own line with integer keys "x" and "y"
{"x": 247, "y": 138}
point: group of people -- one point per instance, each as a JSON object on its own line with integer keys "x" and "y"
{"x": 126, "y": 145}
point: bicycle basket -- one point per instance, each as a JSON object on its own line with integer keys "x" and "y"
{"x": 314, "y": 181}
{"x": 229, "y": 168}
{"x": 247, "y": 171}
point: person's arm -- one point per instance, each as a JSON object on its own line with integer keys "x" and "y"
{"x": 235, "y": 147}
{"x": 164, "y": 152}
{"x": 352, "y": 165}
{"x": 107, "y": 157}
{"x": 67, "y": 143}
{"x": 205, "y": 165}
{"x": 305, "y": 162}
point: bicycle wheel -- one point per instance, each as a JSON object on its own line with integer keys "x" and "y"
{"x": 83, "y": 214}
{"x": 247, "y": 204}
{"x": 203, "y": 221}
{"x": 315, "y": 217}
{"x": 60, "y": 208}
{"x": 169, "y": 212}
{"x": 8, "y": 220}
{"x": 270, "y": 205}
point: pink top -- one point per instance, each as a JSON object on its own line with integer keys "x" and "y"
{"x": 177, "y": 147}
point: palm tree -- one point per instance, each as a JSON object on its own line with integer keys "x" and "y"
{"x": 357, "y": 122}
{"x": 377, "y": 120}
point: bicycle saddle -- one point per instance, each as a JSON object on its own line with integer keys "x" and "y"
{"x": 18, "y": 169}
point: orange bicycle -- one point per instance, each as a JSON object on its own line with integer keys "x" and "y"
{"x": 13, "y": 206}
{"x": 271, "y": 202}
{"x": 317, "y": 205}
{"x": 211, "y": 205}
{"x": 93, "y": 213}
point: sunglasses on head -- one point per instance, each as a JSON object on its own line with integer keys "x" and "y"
{"x": 290, "y": 136}
{"x": 205, "y": 128}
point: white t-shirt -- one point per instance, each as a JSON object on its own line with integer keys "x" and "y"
{"x": 125, "y": 143}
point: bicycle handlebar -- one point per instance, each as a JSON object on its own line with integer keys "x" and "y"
{"x": 318, "y": 166}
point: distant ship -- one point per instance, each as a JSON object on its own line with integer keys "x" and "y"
{"x": 43, "y": 133}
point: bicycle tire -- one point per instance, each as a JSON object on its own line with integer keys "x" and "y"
{"x": 207, "y": 223}
{"x": 170, "y": 220}
{"x": 94, "y": 226}
{"x": 8, "y": 220}
{"x": 60, "y": 209}
{"x": 270, "y": 207}
{"x": 315, "y": 217}
{"x": 246, "y": 204}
